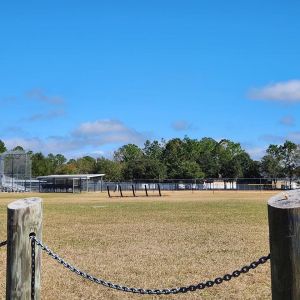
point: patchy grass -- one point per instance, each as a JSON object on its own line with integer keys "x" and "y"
{"x": 179, "y": 239}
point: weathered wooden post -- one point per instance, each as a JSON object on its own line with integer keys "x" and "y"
{"x": 24, "y": 217}
{"x": 159, "y": 192}
{"x": 120, "y": 188}
{"x": 133, "y": 191}
{"x": 284, "y": 228}
{"x": 108, "y": 192}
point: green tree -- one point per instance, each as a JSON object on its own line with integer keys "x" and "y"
{"x": 18, "y": 148}
{"x": 153, "y": 165}
{"x": 271, "y": 163}
{"x": 40, "y": 165}
{"x": 173, "y": 156}
{"x": 86, "y": 165}
{"x": 189, "y": 169}
{"x": 129, "y": 152}
{"x": 131, "y": 159}
{"x": 207, "y": 158}
{"x": 55, "y": 162}
{"x": 251, "y": 168}
{"x": 289, "y": 158}
{"x": 68, "y": 168}
{"x": 111, "y": 169}
{"x": 2, "y": 147}
{"x": 180, "y": 157}
{"x": 154, "y": 150}
{"x": 230, "y": 157}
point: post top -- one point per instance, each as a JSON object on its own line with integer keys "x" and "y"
{"x": 24, "y": 203}
{"x": 286, "y": 200}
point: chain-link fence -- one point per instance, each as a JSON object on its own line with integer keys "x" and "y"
{"x": 207, "y": 184}
{"x": 224, "y": 184}
{"x": 15, "y": 171}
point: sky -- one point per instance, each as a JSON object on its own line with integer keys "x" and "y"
{"x": 86, "y": 77}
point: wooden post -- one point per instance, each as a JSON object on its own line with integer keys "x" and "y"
{"x": 120, "y": 188}
{"x": 159, "y": 192}
{"x": 133, "y": 191}
{"x": 284, "y": 228}
{"x": 23, "y": 218}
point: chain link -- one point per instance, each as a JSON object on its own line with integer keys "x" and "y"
{"x": 32, "y": 268}
{"x": 2, "y": 244}
{"x": 190, "y": 288}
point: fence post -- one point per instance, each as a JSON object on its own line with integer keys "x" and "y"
{"x": 24, "y": 217}
{"x": 284, "y": 229}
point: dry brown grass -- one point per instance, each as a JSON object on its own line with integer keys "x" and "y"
{"x": 179, "y": 239}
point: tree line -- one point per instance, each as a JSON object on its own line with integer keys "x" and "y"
{"x": 176, "y": 159}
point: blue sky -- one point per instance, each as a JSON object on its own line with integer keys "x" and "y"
{"x": 85, "y": 77}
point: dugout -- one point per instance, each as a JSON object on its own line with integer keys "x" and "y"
{"x": 70, "y": 183}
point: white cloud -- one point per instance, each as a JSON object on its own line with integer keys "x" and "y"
{"x": 272, "y": 138}
{"x": 294, "y": 137}
{"x": 100, "y": 127}
{"x": 40, "y": 95}
{"x": 286, "y": 91}
{"x": 181, "y": 125}
{"x": 27, "y": 143}
{"x": 45, "y": 116}
{"x": 105, "y": 132}
{"x": 287, "y": 121}
{"x": 87, "y": 138}
{"x": 256, "y": 153}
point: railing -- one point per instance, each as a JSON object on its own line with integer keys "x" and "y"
{"x": 24, "y": 247}
{"x": 10, "y": 184}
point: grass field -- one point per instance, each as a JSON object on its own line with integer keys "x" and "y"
{"x": 179, "y": 239}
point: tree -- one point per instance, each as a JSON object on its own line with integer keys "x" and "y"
{"x": 281, "y": 160}
{"x": 18, "y": 148}
{"x": 111, "y": 169}
{"x": 86, "y": 165}
{"x": 289, "y": 157}
{"x": 131, "y": 159}
{"x": 154, "y": 167}
{"x": 251, "y": 168}
{"x": 55, "y": 162}
{"x": 189, "y": 169}
{"x": 207, "y": 157}
{"x": 154, "y": 150}
{"x": 128, "y": 153}
{"x": 2, "y": 147}
{"x": 180, "y": 157}
{"x": 231, "y": 158}
{"x": 173, "y": 155}
{"x": 271, "y": 163}
{"x": 40, "y": 165}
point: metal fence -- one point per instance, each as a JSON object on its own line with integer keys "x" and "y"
{"x": 213, "y": 184}
{"x": 15, "y": 171}
{"x": 229, "y": 184}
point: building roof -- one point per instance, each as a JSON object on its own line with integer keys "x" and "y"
{"x": 71, "y": 176}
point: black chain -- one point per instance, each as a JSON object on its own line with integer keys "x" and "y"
{"x": 190, "y": 288}
{"x": 32, "y": 267}
{"x": 4, "y": 243}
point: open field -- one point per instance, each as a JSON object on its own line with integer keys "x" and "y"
{"x": 179, "y": 239}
